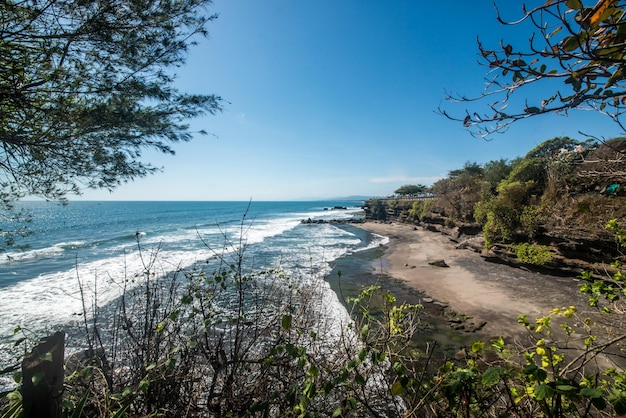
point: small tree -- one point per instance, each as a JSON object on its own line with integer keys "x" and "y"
{"x": 578, "y": 44}
{"x": 411, "y": 190}
{"x": 460, "y": 191}
{"x": 86, "y": 86}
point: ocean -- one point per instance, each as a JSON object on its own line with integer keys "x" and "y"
{"x": 96, "y": 245}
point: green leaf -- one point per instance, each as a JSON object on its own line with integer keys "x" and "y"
{"x": 309, "y": 389}
{"x": 557, "y": 30}
{"x": 286, "y": 322}
{"x": 170, "y": 363}
{"x": 541, "y": 375}
{"x": 304, "y": 402}
{"x": 599, "y": 403}
{"x": 614, "y": 78}
{"x": 398, "y": 368}
{"x": 591, "y": 392}
{"x": 121, "y": 412}
{"x": 174, "y": 315}
{"x": 352, "y": 402}
{"x": 498, "y": 343}
{"x": 78, "y": 412}
{"x": 532, "y": 109}
{"x": 17, "y": 377}
{"x": 477, "y": 346}
{"x": 397, "y": 388}
{"x": 328, "y": 387}
{"x": 37, "y": 378}
{"x": 570, "y": 44}
{"x": 574, "y": 4}
{"x": 359, "y": 379}
{"x": 543, "y": 391}
{"x": 491, "y": 376}
{"x": 365, "y": 330}
{"x": 143, "y": 385}
{"x": 530, "y": 369}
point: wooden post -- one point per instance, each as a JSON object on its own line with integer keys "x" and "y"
{"x": 42, "y": 372}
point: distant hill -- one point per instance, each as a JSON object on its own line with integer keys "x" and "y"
{"x": 356, "y": 197}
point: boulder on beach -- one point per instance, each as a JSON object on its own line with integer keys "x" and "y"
{"x": 438, "y": 263}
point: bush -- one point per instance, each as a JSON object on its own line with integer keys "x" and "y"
{"x": 419, "y": 209}
{"x": 533, "y": 254}
{"x": 530, "y": 219}
{"x": 501, "y": 214}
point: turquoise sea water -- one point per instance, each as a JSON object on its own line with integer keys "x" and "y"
{"x": 98, "y": 244}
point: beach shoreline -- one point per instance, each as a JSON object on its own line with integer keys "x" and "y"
{"x": 491, "y": 296}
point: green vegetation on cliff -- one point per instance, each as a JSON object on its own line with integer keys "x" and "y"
{"x": 560, "y": 194}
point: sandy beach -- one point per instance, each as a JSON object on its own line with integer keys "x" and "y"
{"x": 491, "y": 294}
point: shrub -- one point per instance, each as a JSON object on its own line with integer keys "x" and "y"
{"x": 501, "y": 214}
{"x": 530, "y": 219}
{"x": 533, "y": 254}
{"x": 417, "y": 210}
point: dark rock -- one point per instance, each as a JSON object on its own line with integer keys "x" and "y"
{"x": 438, "y": 263}
{"x": 309, "y": 221}
{"x": 475, "y": 244}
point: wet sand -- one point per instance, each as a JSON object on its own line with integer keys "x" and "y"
{"x": 491, "y": 294}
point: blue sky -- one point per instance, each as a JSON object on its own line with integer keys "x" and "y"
{"x": 333, "y": 98}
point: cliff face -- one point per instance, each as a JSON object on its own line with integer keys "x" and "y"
{"x": 574, "y": 231}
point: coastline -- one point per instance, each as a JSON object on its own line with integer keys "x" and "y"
{"x": 492, "y": 296}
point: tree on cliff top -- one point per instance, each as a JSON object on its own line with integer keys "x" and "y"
{"x": 87, "y": 85}
{"x": 580, "y": 45}
{"x": 411, "y": 190}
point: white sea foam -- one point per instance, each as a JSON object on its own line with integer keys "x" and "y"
{"x": 55, "y": 298}
{"x": 52, "y": 251}
{"x": 376, "y": 242}
{"x": 259, "y": 231}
